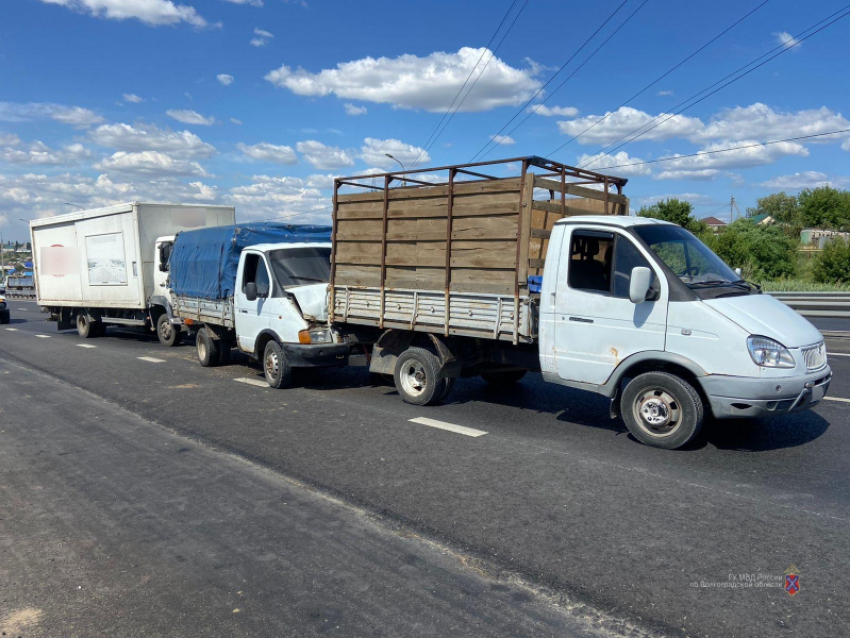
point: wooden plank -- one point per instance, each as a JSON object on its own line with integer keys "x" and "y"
{"x": 416, "y": 229}
{"x": 521, "y": 274}
{"x": 367, "y": 253}
{"x": 462, "y": 188}
{"x": 504, "y": 227}
{"x": 579, "y": 191}
{"x": 351, "y": 275}
{"x": 417, "y": 278}
{"x": 478, "y": 280}
{"x": 359, "y": 229}
{"x": 556, "y": 208}
{"x": 484, "y": 254}
{"x": 417, "y": 253}
{"x": 360, "y": 210}
{"x": 539, "y": 233}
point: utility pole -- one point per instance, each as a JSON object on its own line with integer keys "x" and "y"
{"x": 733, "y": 206}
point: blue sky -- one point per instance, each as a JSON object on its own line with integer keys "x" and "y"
{"x": 258, "y": 103}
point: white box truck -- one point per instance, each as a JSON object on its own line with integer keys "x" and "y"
{"x": 95, "y": 267}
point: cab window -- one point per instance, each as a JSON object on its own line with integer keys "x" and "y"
{"x": 626, "y": 257}
{"x": 591, "y": 255}
{"x": 255, "y": 271}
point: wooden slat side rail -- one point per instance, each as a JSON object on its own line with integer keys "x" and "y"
{"x": 461, "y": 188}
{"x": 558, "y": 208}
{"x": 579, "y": 191}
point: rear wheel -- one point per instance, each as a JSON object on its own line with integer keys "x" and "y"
{"x": 662, "y": 410}
{"x": 87, "y": 328}
{"x": 224, "y": 350}
{"x": 169, "y": 335}
{"x": 503, "y": 378}
{"x": 417, "y": 377}
{"x": 5, "y": 317}
{"x": 207, "y": 348}
{"x": 275, "y": 366}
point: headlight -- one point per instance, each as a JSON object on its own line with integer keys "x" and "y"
{"x": 318, "y": 335}
{"x": 768, "y": 353}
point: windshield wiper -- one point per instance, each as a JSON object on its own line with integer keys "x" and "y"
{"x": 710, "y": 282}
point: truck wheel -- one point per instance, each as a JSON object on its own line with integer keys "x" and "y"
{"x": 100, "y": 328}
{"x": 416, "y": 377}
{"x": 499, "y": 378}
{"x": 224, "y": 350}
{"x": 207, "y": 348}
{"x": 276, "y": 367}
{"x": 169, "y": 334}
{"x": 662, "y": 410}
{"x": 87, "y": 328}
{"x": 5, "y": 317}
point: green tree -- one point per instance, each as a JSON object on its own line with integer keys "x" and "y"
{"x": 761, "y": 252}
{"x": 675, "y": 211}
{"x": 832, "y": 265}
{"x": 783, "y": 208}
{"x": 825, "y": 207}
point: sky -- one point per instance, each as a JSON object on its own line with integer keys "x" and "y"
{"x": 260, "y": 103}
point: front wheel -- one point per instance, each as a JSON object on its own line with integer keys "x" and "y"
{"x": 168, "y": 334}
{"x": 5, "y": 317}
{"x": 662, "y": 410}
{"x": 275, "y": 366}
{"x": 417, "y": 377}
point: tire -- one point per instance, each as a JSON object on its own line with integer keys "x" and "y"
{"x": 275, "y": 366}
{"x": 207, "y": 348}
{"x": 87, "y": 328}
{"x": 224, "y": 350}
{"x": 501, "y": 379}
{"x": 169, "y": 335}
{"x": 662, "y": 410}
{"x": 416, "y": 377}
{"x": 101, "y": 329}
{"x": 450, "y": 384}
{"x": 5, "y": 317}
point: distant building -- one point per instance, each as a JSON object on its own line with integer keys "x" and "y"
{"x": 713, "y": 223}
{"x": 817, "y": 238}
{"x": 763, "y": 220}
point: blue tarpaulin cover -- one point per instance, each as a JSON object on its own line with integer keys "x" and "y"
{"x": 203, "y": 262}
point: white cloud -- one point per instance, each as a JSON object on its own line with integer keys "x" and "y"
{"x": 190, "y": 117}
{"x": 235, "y": 121}
{"x": 225, "y": 79}
{"x": 625, "y": 120}
{"x": 806, "y": 179}
{"x": 709, "y": 166}
{"x": 845, "y": 146}
{"x": 783, "y": 37}
{"x": 150, "y": 163}
{"x": 266, "y": 152}
{"x": 262, "y": 38}
{"x": 322, "y": 182}
{"x": 410, "y": 81}
{"x": 39, "y": 154}
{"x": 374, "y": 152}
{"x": 550, "y": 111}
{"x": 696, "y": 199}
{"x": 75, "y": 116}
{"x": 149, "y": 137}
{"x": 270, "y": 197}
{"x": 759, "y": 121}
{"x": 665, "y": 93}
{"x": 352, "y": 109}
{"x": 253, "y": 3}
{"x": 258, "y": 42}
{"x": 133, "y": 98}
{"x": 151, "y": 12}
{"x": 324, "y": 157}
{"x": 9, "y": 139}
{"x": 262, "y": 33}
{"x": 598, "y": 161}
{"x": 503, "y": 140}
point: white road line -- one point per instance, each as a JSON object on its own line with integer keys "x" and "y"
{"x": 836, "y": 399}
{"x": 838, "y": 354}
{"x": 43, "y": 336}
{"x": 151, "y": 359}
{"x": 249, "y": 381}
{"x": 22, "y": 309}
{"x": 12, "y": 329}
{"x": 85, "y": 345}
{"x": 451, "y": 427}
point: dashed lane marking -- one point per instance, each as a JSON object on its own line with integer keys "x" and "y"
{"x": 85, "y": 345}
{"x": 43, "y": 336}
{"x": 838, "y": 354}
{"x": 12, "y": 329}
{"x": 151, "y": 359}
{"x": 22, "y": 309}
{"x": 450, "y": 427}
{"x": 836, "y": 399}
{"x": 249, "y": 381}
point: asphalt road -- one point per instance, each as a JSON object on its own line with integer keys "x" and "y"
{"x": 554, "y": 495}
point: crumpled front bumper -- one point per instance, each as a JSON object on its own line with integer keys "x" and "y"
{"x": 731, "y": 397}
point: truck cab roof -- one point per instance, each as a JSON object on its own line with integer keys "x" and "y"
{"x": 621, "y": 221}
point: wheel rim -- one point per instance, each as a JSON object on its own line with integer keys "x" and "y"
{"x": 82, "y": 323}
{"x": 272, "y": 365}
{"x": 202, "y": 349}
{"x": 165, "y": 330}
{"x": 413, "y": 378}
{"x": 657, "y": 412}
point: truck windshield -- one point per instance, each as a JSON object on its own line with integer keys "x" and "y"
{"x": 687, "y": 256}
{"x": 301, "y": 266}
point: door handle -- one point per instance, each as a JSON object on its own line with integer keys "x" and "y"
{"x": 581, "y": 319}
{"x": 244, "y": 312}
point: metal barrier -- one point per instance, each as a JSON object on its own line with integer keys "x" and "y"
{"x": 832, "y": 305}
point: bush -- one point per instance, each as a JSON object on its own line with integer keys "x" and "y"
{"x": 761, "y": 252}
{"x": 832, "y": 265}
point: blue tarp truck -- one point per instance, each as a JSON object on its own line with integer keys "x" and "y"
{"x": 261, "y": 288}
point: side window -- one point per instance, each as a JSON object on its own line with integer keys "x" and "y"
{"x": 626, "y": 257}
{"x": 591, "y": 256}
{"x": 256, "y": 271}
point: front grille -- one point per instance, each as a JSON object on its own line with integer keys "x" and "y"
{"x": 814, "y": 356}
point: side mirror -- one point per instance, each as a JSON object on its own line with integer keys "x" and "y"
{"x": 639, "y": 284}
{"x": 251, "y": 291}
{"x": 738, "y": 271}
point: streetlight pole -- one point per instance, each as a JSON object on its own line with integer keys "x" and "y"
{"x": 395, "y": 159}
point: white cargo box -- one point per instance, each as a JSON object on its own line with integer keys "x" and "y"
{"x": 104, "y": 257}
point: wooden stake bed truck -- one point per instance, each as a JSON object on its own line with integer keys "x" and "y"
{"x": 456, "y": 271}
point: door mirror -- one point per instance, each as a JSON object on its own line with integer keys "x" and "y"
{"x": 251, "y": 291}
{"x": 641, "y": 280}
{"x": 164, "y": 255}
{"x": 738, "y": 271}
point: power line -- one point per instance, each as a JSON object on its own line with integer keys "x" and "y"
{"x": 797, "y": 40}
{"x": 725, "y": 150}
{"x": 662, "y": 76}
{"x": 475, "y": 81}
{"x": 483, "y": 53}
{"x": 554, "y": 75}
{"x": 569, "y": 77}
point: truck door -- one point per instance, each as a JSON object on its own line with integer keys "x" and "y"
{"x": 596, "y": 325}
{"x": 250, "y": 317}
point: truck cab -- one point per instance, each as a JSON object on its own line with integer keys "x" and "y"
{"x": 642, "y": 306}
